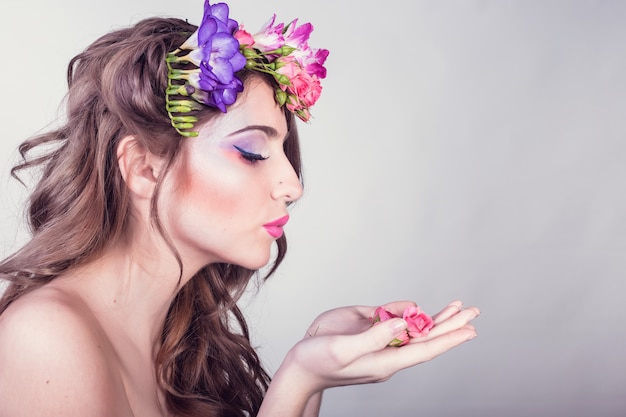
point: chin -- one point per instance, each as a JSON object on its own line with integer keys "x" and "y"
{"x": 256, "y": 262}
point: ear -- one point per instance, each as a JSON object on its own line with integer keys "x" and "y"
{"x": 139, "y": 167}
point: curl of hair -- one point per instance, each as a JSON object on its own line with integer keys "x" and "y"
{"x": 205, "y": 363}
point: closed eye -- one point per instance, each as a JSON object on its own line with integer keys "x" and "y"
{"x": 249, "y": 156}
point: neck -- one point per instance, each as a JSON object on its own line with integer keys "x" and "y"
{"x": 129, "y": 289}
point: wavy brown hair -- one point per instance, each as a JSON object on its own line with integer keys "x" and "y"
{"x": 205, "y": 363}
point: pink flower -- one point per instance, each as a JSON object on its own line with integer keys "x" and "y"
{"x": 315, "y": 65}
{"x": 400, "y": 340}
{"x": 303, "y": 90}
{"x": 297, "y": 36}
{"x": 380, "y": 314}
{"x": 306, "y": 87}
{"x": 303, "y": 85}
{"x": 312, "y": 60}
{"x": 244, "y": 37}
{"x": 282, "y": 50}
{"x": 270, "y": 37}
{"x": 418, "y": 322}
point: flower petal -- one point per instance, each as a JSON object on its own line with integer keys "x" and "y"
{"x": 205, "y": 31}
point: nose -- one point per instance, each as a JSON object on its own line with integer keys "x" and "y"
{"x": 288, "y": 186}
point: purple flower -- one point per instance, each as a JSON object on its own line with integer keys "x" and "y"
{"x": 216, "y": 52}
{"x": 220, "y": 48}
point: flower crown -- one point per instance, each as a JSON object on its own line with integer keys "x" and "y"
{"x": 202, "y": 71}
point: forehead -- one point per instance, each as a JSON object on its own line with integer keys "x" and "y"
{"x": 256, "y": 106}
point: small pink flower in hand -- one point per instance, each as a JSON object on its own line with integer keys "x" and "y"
{"x": 380, "y": 314}
{"x": 418, "y": 323}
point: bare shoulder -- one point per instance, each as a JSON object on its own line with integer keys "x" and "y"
{"x": 54, "y": 359}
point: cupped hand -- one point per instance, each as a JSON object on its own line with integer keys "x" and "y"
{"x": 342, "y": 348}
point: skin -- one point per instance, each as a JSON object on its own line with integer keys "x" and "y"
{"x": 84, "y": 344}
{"x": 341, "y": 348}
{"x": 220, "y": 199}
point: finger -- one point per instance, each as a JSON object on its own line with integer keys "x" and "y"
{"x": 415, "y": 353}
{"x": 440, "y": 344}
{"x": 454, "y": 322}
{"x": 375, "y": 338}
{"x": 448, "y": 311}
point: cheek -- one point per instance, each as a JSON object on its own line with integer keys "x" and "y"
{"x": 218, "y": 187}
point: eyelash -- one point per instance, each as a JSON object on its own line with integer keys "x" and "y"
{"x": 249, "y": 156}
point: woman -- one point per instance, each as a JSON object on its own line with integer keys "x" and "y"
{"x": 159, "y": 198}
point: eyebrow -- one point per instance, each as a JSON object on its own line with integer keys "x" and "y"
{"x": 268, "y": 130}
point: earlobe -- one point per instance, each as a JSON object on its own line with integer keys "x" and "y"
{"x": 139, "y": 167}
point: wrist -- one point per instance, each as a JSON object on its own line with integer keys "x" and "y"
{"x": 296, "y": 369}
{"x": 289, "y": 392}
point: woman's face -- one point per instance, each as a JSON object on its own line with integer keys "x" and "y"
{"x": 226, "y": 197}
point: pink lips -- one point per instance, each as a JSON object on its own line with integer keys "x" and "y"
{"x": 275, "y": 228}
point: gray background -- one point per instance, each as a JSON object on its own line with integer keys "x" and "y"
{"x": 461, "y": 149}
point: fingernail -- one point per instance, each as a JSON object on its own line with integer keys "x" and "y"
{"x": 398, "y": 325}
